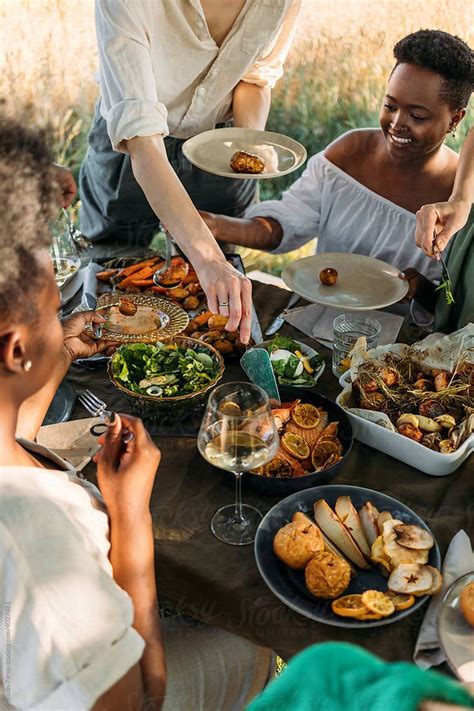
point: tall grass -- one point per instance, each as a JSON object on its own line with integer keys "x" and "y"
{"x": 334, "y": 77}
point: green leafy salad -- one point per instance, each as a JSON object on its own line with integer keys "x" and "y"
{"x": 163, "y": 370}
{"x": 291, "y": 367}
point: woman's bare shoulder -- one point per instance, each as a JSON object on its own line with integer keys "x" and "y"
{"x": 352, "y": 146}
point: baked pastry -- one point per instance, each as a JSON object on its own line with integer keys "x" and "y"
{"x": 243, "y": 162}
{"x": 467, "y": 603}
{"x": 296, "y": 543}
{"x": 327, "y": 575}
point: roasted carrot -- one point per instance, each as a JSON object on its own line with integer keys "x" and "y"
{"x": 158, "y": 289}
{"x": 190, "y": 278}
{"x": 134, "y": 268}
{"x": 106, "y": 275}
{"x": 145, "y": 273}
{"x": 142, "y": 283}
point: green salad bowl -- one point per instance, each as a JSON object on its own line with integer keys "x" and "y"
{"x": 177, "y": 407}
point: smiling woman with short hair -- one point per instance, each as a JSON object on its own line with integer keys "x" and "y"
{"x": 361, "y": 194}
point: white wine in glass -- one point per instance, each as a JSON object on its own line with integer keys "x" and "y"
{"x": 238, "y": 433}
{"x": 63, "y": 251}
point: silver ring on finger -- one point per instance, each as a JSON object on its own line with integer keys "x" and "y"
{"x": 223, "y": 303}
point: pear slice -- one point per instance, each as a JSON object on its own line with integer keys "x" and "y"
{"x": 411, "y": 536}
{"x": 350, "y": 518}
{"x": 377, "y": 554}
{"x": 368, "y": 515}
{"x": 437, "y": 580}
{"x": 381, "y": 518}
{"x": 328, "y": 546}
{"x": 331, "y": 525}
{"x": 411, "y": 579}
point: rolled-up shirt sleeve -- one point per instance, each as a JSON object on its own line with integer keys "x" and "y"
{"x": 299, "y": 209}
{"x": 129, "y": 101}
{"x": 268, "y": 67}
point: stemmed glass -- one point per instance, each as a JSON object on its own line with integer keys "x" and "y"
{"x": 237, "y": 433}
{"x": 63, "y": 251}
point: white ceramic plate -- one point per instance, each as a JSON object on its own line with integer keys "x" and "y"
{"x": 364, "y": 283}
{"x": 306, "y": 351}
{"x": 212, "y": 150}
{"x": 455, "y": 634}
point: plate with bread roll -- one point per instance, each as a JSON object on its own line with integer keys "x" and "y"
{"x": 456, "y": 627}
{"x": 348, "y": 556}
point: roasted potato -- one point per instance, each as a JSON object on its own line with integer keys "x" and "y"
{"x": 190, "y": 303}
{"x": 223, "y": 346}
{"x": 201, "y": 319}
{"x": 194, "y": 288}
{"x": 217, "y": 321}
{"x": 243, "y": 162}
{"x": 179, "y": 293}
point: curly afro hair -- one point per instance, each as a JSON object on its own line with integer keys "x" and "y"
{"x": 445, "y": 55}
{"x": 28, "y": 198}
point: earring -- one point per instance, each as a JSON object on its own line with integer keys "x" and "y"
{"x": 452, "y": 129}
{"x": 26, "y": 365}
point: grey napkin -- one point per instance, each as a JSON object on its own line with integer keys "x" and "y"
{"x": 458, "y": 561}
{"x": 90, "y": 280}
{"x": 70, "y": 290}
{"x": 72, "y": 441}
{"x": 316, "y": 321}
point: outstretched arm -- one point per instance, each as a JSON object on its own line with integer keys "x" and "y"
{"x": 447, "y": 218}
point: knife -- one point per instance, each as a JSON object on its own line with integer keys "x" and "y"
{"x": 277, "y": 323}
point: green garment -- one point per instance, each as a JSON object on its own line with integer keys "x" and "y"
{"x": 460, "y": 264}
{"x": 342, "y": 677}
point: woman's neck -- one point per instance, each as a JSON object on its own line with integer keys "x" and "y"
{"x": 11, "y": 452}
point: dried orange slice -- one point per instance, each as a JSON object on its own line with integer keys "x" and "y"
{"x": 295, "y": 445}
{"x": 321, "y": 453}
{"x": 349, "y": 606}
{"x": 306, "y": 415}
{"x": 369, "y": 616}
{"x": 378, "y": 603}
{"x": 400, "y": 600}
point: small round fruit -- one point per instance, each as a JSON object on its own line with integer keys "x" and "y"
{"x": 349, "y": 606}
{"x": 378, "y": 603}
{"x": 328, "y": 276}
{"x": 127, "y": 307}
{"x": 295, "y": 445}
{"x": 231, "y": 409}
{"x": 327, "y": 575}
{"x": 306, "y": 416}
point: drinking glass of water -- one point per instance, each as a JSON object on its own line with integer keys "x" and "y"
{"x": 237, "y": 433}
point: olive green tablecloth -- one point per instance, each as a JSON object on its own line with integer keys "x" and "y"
{"x": 220, "y": 584}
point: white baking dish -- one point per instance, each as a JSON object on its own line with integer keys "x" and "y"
{"x": 400, "y": 447}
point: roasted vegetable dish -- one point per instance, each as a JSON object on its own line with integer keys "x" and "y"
{"x": 308, "y": 441}
{"x": 163, "y": 370}
{"x": 431, "y": 406}
{"x": 243, "y": 162}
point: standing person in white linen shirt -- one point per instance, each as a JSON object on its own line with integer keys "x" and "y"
{"x": 170, "y": 70}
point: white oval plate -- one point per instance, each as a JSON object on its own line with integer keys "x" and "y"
{"x": 212, "y": 150}
{"x": 364, "y": 283}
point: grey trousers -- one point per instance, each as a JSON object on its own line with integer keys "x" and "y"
{"x": 210, "y": 669}
{"x": 114, "y": 206}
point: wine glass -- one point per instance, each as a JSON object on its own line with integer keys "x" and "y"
{"x": 237, "y": 433}
{"x": 63, "y": 252}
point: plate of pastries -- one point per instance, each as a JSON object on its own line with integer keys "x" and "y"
{"x": 348, "y": 556}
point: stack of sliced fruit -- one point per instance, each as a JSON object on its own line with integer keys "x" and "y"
{"x": 309, "y": 442}
{"x": 359, "y": 538}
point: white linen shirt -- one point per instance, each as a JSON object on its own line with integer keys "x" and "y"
{"x": 162, "y": 73}
{"x": 66, "y": 631}
{"x": 345, "y": 216}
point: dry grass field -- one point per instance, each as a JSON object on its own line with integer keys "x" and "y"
{"x": 334, "y": 77}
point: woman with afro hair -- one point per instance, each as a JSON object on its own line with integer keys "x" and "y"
{"x": 361, "y": 194}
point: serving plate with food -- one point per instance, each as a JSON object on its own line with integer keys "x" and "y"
{"x": 415, "y": 403}
{"x": 348, "y": 556}
{"x": 315, "y": 442}
{"x": 129, "y": 277}
{"x": 244, "y": 153}
{"x": 167, "y": 380}
{"x": 352, "y": 282}
{"x": 294, "y": 363}
{"x": 456, "y": 627}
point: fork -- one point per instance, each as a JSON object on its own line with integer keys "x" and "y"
{"x": 98, "y": 408}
